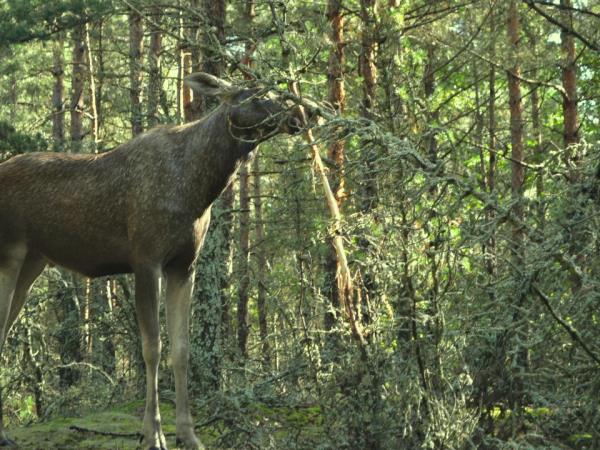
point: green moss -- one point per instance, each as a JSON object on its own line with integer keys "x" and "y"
{"x": 56, "y": 433}
{"x": 126, "y": 418}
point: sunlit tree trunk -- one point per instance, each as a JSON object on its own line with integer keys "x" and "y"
{"x": 92, "y": 89}
{"x": 100, "y": 78}
{"x": 77, "y": 87}
{"x": 335, "y": 152}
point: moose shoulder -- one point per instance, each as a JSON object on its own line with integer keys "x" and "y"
{"x": 142, "y": 208}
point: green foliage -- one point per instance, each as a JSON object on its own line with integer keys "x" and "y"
{"x": 480, "y": 321}
{"x": 26, "y": 20}
{"x": 13, "y": 142}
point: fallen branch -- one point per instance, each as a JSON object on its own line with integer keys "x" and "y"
{"x": 137, "y": 435}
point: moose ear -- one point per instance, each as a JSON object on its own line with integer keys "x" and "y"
{"x": 206, "y": 84}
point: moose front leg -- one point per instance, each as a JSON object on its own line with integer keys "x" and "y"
{"x": 11, "y": 261}
{"x": 147, "y": 295}
{"x": 180, "y": 284}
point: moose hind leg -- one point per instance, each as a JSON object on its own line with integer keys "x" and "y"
{"x": 147, "y": 296}
{"x": 32, "y": 268}
{"x": 10, "y": 266}
{"x": 179, "y": 292}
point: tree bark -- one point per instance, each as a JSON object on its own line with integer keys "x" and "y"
{"x": 491, "y": 172}
{"x": 101, "y": 75}
{"x": 243, "y": 322}
{"x": 261, "y": 263}
{"x": 368, "y": 200}
{"x": 136, "y": 49}
{"x": 77, "y": 87}
{"x": 517, "y": 179}
{"x": 538, "y": 149}
{"x": 195, "y": 104}
{"x": 367, "y": 66}
{"x": 186, "y": 92}
{"x": 154, "y": 67}
{"x": 58, "y": 96}
{"x": 516, "y": 116}
{"x": 429, "y": 89}
{"x": 335, "y": 152}
{"x": 569, "y": 82}
{"x": 92, "y": 89}
{"x": 216, "y": 319}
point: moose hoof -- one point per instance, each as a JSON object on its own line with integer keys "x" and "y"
{"x": 190, "y": 445}
{"x": 158, "y": 448}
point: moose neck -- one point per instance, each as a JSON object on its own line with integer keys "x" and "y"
{"x": 213, "y": 155}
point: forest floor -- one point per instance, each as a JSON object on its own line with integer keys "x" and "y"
{"x": 88, "y": 431}
{"x": 259, "y": 426}
{"x": 59, "y": 433}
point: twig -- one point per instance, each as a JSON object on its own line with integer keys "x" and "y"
{"x": 570, "y": 330}
{"x": 563, "y": 27}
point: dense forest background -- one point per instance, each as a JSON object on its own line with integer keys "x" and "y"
{"x": 460, "y": 141}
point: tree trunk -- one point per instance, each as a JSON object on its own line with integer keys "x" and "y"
{"x": 516, "y": 120}
{"x": 58, "y": 96}
{"x": 101, "y": 75}
{"x": 92, "y": 88}
{"x": 216, "y": 256}
{"x": 68, "y": 308}
{"x": 154, "y": 68}
{"x": 185, "y": 91}
{"x": 367, "y": 66}
{"x": 517, "y": 179}
{"x": 194, "y": 61}
{"x": 243, "y": 323}
{"x": 491, "y": 173}
{"x": 368, "y": 200}
{"x": 261, "y": 263}
{"x": 136, "y": 49}
{"x": 77, "y": 87}
{"x": 429, "y": 89}
{"x": 69, "y": 334}
{"x": 538, "y": 150}
{"x": 569, "y": 81}
{"x": 335, "y": 152}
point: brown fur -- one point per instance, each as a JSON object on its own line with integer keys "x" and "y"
{"x": 143, "y": 208}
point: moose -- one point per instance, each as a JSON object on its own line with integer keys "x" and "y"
{"x": 142, "y": 208}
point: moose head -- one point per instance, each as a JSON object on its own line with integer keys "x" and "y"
{"x": 252, "y": 113}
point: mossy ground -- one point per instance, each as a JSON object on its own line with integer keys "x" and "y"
{"x": 56, "y": 433}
